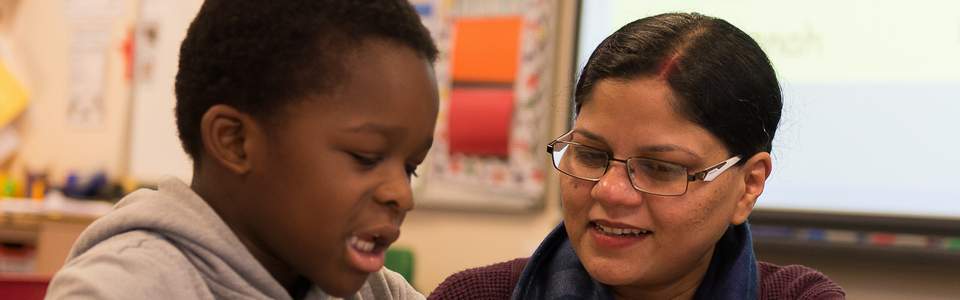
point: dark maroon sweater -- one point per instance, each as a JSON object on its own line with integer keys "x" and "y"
{"x": 498, "y": 280}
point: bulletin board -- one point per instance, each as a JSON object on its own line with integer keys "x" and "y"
{"x": 493, "y": 73}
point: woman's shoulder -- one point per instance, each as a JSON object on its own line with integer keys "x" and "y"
{"x": 796, "y": 282}
{"x": 494, "y": 281}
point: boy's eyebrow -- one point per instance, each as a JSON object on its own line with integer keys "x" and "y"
{"x": 425, "y": 148}
{"x": 376, "y": 128}
{"x": 385, "y": 131}
{"x": 658, "y": 148}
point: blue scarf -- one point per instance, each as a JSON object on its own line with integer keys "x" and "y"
{"x": 555, "y": 272}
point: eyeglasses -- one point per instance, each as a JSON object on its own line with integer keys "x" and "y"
{"x": 647, "y": 175}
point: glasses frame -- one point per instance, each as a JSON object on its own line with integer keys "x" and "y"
{"x": 706, "y": 175}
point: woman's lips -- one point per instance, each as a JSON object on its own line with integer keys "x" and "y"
{"x": 614, "y": 235}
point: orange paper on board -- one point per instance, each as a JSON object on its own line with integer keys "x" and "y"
{"x": 486, "y": 49}
{"x": 479, "y": 121}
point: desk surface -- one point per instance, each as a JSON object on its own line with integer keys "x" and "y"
{"x": 54, "y": 208}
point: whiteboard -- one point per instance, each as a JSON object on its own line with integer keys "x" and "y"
{"x": 871, "y": 92}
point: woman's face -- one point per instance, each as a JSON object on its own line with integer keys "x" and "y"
{"x": 637, "y": 118}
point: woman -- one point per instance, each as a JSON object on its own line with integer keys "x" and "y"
{"x": 675, "y": 115}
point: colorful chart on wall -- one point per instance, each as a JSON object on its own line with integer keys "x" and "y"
{"x": 495, "y": 115}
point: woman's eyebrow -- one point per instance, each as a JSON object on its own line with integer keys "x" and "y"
{"x": 656, "y": 148}
{"x": 664, "y": 148}
{"x": 589, "y": 135}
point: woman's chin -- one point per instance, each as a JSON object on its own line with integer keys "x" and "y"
{"x": 614, "y": 272}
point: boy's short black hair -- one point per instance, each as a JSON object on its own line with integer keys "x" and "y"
{"x": 259, "y": 55}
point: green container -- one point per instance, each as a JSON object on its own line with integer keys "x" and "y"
{"x": 952, "y": 244}
{"x": 400, "y": 260}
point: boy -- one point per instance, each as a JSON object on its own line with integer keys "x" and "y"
{"x": 305, "y": 120}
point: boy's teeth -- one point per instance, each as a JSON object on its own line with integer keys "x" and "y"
{"x": 362, "y": 245}
{"x": 619, "y": 231}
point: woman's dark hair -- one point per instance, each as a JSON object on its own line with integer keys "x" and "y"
{"x": 259, "y": 55}
{"x": 723, "y": 79}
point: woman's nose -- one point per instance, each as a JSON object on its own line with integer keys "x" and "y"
{"x": 615, "y": 188}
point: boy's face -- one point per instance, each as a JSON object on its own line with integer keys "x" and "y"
{"x": 332, "y": 182}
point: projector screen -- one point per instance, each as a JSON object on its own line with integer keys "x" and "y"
{"x": 871, "y": 98}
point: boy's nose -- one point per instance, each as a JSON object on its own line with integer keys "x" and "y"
{"x": 396, "y": 193}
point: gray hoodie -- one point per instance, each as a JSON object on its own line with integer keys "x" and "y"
{"x": 169, "y": 244}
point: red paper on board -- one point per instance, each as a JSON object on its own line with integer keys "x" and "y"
{"x": 479, "y": 121}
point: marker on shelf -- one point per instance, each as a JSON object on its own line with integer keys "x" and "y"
{"x": 38, "y": 190}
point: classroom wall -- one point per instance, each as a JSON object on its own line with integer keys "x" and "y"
{"x": 40, "y": 37}
{"x": 447, "y": 242}
{"x": 444, "y": 242}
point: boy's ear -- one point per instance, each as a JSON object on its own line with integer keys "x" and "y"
{"x": 755, "y": 173}
{"x": 226, "y": 134}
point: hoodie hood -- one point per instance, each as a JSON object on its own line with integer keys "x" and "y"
{"x": 176, "y": 213}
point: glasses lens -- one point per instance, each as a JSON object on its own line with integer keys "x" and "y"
{"x": 579, "y": 161}
{"x": 657, "y": 177}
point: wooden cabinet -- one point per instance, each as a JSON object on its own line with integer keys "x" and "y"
{"x": 43, "y": 231}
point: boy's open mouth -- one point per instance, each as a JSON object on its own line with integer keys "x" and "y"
{"x": 374, "y": 245}
{"x": 366, "y": 250}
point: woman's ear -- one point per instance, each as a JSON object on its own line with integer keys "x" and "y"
{"x": 755, "y": 173}
{"x": 226, "y": 134}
